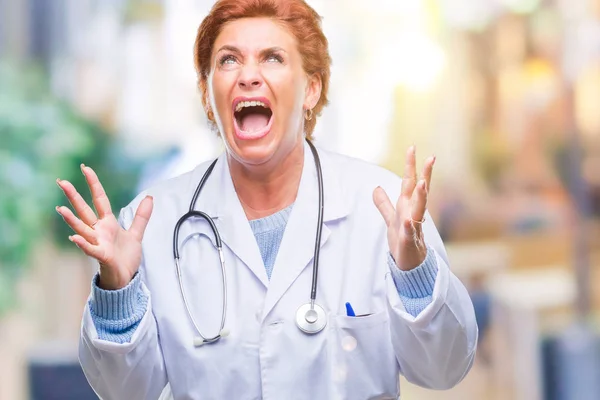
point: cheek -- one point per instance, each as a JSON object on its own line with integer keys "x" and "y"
{"x": 219, "y": 113}
{"x": 219, "y": 90}
{"x": 219, "y": 94}
{"x": 290, "y": 90}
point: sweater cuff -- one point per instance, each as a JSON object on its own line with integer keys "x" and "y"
{"x": 418, "y": 282}
{"x": 116, "y": 305}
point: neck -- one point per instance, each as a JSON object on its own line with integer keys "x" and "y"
{"x": 266, "y": 189}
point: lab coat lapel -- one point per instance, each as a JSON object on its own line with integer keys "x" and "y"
{"x": 296, "y": 251}
{"x": 221, "y": 200}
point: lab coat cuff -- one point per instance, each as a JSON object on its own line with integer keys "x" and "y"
{"x": 92, "y": 325}
{"x": 117, "y": 305}
{"x": 418, "y": 282}
{"x": 438, "y": 297}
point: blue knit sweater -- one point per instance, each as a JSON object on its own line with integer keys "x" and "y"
{"x": 117, "y": 313}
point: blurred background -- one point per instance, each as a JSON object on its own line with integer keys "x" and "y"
{"x": 506, "y": 93}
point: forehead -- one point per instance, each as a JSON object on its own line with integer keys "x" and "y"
{"x": 249, "y": 34}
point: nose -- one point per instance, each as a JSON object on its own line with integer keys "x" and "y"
{"x": 250, "y": 78}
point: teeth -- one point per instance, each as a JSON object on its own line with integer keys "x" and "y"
{"x": 243, "y": 104}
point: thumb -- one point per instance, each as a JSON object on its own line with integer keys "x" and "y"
{"x": 384, "y": 205}
{"x": 142, "y": 216}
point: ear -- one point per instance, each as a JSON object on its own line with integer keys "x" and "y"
{"x": 313, "y": 91}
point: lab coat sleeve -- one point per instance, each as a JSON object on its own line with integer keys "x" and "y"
{"x": 130, "y": 370}
{"x": 436, "y": 348}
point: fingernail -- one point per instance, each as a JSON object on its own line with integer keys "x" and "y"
{"x": 58, "y": 210}
{"x": 150, "y": 197}
{"x": 434, "y": 158}
{"x": 71, "y": 239}
{"x": 58, "y": 181}
{"x": 82, "y": 166}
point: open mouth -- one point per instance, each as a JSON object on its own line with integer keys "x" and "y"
{"x": 252, "y": 118}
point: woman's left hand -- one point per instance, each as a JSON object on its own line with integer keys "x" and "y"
{"x": 404, "y": 222}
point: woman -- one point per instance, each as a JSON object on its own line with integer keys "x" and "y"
{"x": 263, "y": 68}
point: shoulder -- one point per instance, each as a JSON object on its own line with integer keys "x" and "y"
{"x": 162, "y": 190}
{"x": 356, "y": 175}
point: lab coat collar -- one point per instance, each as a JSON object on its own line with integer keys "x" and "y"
{"x": 219, "y": 199}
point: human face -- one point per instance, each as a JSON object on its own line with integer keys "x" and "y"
{"x": 258, "y": 90}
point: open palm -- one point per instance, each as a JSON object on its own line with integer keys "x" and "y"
{"x": 100, "y": 236}
{"x": 404, "y": 222}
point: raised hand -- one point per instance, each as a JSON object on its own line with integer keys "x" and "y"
{"x": 404, "y": 222}
{"x": 100, "y": 236}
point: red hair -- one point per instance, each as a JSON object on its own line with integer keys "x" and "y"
{"x": 297, "y": 16}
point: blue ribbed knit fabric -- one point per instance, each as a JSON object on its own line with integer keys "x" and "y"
{"x": 117, "y": 314}
{"x": 415, "y": 287}
{"x": 268, "y": 232}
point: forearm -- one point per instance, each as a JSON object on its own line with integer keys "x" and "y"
{"x": 119, "y": 348}
{"x": 442, "y": 338}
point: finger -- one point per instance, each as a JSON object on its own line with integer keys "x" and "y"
{"x": 83, "y": 210}
{"x": 419, "y": 201}
{"x": 428, "y": 170}
{"x": 384, "y": 205}
{"x": 99, "y": 197}
{"x": 142, "y": 216}
{"x": 413, "y": 225}
{"x": 77, "y": 225}
{"x": 410, "y": 173}
{"x": 86, "y": 247}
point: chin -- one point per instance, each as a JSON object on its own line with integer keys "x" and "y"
{"x": 253, "y": 151}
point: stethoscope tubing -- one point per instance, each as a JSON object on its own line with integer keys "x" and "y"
{"x": 219, "y": 245}
{"x": 315, "y": 271}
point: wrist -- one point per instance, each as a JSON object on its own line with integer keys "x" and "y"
{"x": 418, "y": 282}
{"x": 409, "y": 259}
{"x": 107, "y": 281}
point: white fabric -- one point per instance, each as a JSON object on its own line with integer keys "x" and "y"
{"x": 265, "y": 355}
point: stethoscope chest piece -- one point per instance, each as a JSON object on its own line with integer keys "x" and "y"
{"x": 311, "y": 318}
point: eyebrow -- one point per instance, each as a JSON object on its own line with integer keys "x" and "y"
{"x": 274, "y": 49}
{"x": 234, "y": 49}
{"x": 229, "y": 48}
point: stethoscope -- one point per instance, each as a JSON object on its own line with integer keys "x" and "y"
{"x": 310, "y": 317}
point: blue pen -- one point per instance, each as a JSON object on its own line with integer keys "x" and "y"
{"x": 349, "y": 310}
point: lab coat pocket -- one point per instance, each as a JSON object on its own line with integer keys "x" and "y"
{"x": 361, "y": 321}
{"x": 364, "y": 364}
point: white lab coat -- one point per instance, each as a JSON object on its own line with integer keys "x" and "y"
{"x": 266, "y": 356}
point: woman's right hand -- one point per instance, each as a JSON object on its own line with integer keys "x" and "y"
{"x": 118, "y": 251}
